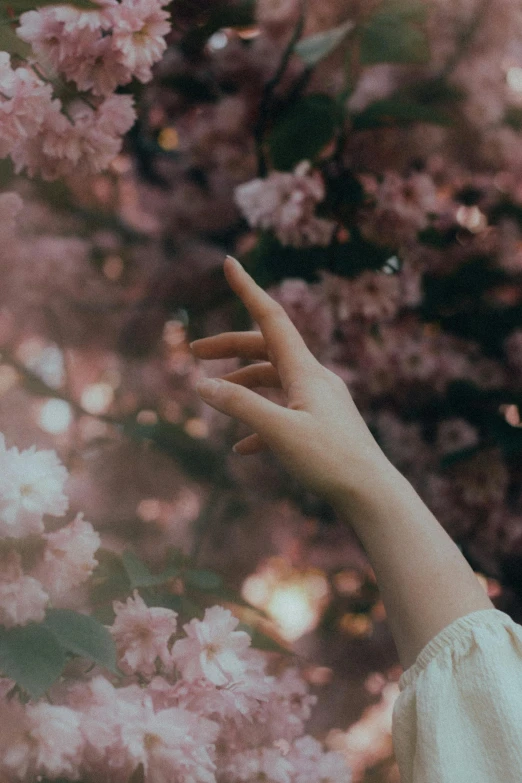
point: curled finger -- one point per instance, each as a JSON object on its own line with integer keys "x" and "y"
{"x": 264, "y": 374}
{"x": 248, "y": 345}
{"x": 250, "y": 445}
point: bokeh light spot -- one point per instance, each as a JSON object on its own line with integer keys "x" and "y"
{"x": 55, "y": 416}
{"x": 97, "y": 397}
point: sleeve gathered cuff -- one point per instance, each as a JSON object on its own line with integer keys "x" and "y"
{"x": 459, "y": 636}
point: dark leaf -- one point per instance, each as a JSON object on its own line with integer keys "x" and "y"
{"x": 109, "y": 582}
{"x": 316, "y": 47}
{"x": 32, "y": 656}
{"x": 397, "y": 111}
{"x": 230, "y": 596}
{"x": 138, "y": 776}
{"x": 140, "y": 576}
{"x": 203, "y": 579}
{"x": 9, "y": 41}
{"x": 303, "y": 131}
{"x": 262, "y": 641}
{"x": 508, "y": 437}
{"x": 459, "y": 456}
{"x": 83, "y": 635}
{"x": 193, "y": 89}
{"x": 394, "y": 35}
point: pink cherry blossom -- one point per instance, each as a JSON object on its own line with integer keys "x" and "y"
{"x": 138, "y": 34}
{"x": 22, "y": 598}
{"x": 106, "y": 713}
{"x": 31, "y": 485}
{"x": 401, "y": 208}
{"x": 86, "y": 144}
{"x": 24, "y": 101}
{"x": 99, "y": 69}
{"x": 286, "y": 202}
{"x": 260, "y": 764}
{"x": 40, "y": 740}
{"x": 232, "y": 704}
{"x": 374, "y": 296}
{"x": 68, "y": 559}
{"x": 213, "y": 649}
{"x": 77, "y": 44}
{"x": 174, "y": 745}
{"x": 142, "y": 635}
{"x": 59, "y": 34}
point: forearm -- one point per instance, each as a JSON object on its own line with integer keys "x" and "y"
{"x": 424, "y": 580}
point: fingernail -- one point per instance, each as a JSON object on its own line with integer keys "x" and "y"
{"x": 208, "y": 386}
{"x": 235, "y": 261}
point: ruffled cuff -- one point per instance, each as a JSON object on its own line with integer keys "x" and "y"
{"x": 457, "y": 634}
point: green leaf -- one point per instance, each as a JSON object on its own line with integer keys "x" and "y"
{"x": 32, "y": 656}
{"x": 178, "y": 603}
{"x": 509, "y": 438}
{"x": 315, "y": 48}
{"x": 393, "y": 34}
{"x": 459, "y": 456}
{"x": 82, "y": 635}
{"x": 109, "y": 581}
{"x": 230, "y": 596}
{"x": 262, "y": 641}
{"x": 9, "y": 41}
{"x": 203, "y": 579}
{"x": 140, "y": 576}
{"x": 303, "y": 131}
{"x": 138, "y": 573}
{"x": 397, "y": 111}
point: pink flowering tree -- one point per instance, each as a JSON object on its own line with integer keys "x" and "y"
{"x": 363, "y": 160}
{"x": 141, "y": 696}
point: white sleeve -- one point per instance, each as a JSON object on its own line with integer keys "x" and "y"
{"x": 458, "y": 716}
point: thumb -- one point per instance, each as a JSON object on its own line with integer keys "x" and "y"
{"x": 260, "y": 414}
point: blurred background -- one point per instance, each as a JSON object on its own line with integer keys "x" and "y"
{"x": 363, "y": 161}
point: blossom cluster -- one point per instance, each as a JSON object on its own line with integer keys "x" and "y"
{"x": 31, "y": 487}
{"x": 59, "y": 112}
{"x": 197, "y": 705}
{"x": 286, "y": 202}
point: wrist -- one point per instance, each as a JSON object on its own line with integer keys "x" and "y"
{"x": 372, "y": 476}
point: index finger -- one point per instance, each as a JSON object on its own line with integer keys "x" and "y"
{"x": 285, "y": 347}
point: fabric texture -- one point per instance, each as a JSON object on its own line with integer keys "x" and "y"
{"x": 458, "y": 716}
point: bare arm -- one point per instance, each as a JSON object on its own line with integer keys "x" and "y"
{"x": 424, "y": 580}
{"x": 322, "y": 439}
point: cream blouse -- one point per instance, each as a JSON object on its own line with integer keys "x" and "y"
{"x": 458, "y": 716}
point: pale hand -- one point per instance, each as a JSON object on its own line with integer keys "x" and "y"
{"x": 321, "y": 438}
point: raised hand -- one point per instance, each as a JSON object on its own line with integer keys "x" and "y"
{"x": 320, "y": 437}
